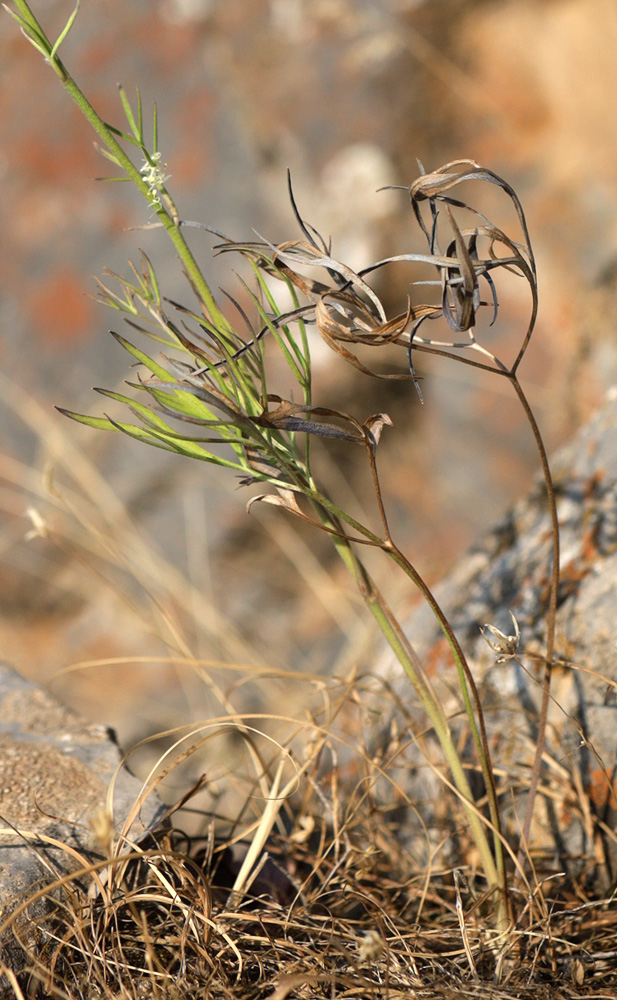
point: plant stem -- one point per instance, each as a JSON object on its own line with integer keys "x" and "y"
{"x": 466, "y": 681}
{"x": 39, "y": 39}
{"x": 550, "y": 624}
{"x": 185, "y": 254}
{"x": 404, "y": 653}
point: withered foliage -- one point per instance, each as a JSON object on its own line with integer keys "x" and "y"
{"x": 336, "y": 906}
{"x": 347, "y": 310}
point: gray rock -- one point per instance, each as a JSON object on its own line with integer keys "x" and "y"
{"x": 55, "y": 770}
{"x": 574, "y": 819}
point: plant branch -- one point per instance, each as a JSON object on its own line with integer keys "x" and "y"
{"x": 466, "y": 679}
{"x": 551, "y": 617}
{"x": 467, "y": 682}
{"x": 404, "y": 653}
{"x": 37, "y": 36}
{"x": 494, "y": 867}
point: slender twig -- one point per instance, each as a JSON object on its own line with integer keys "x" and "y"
{"x": 37, "y": 36}
{"x": 466, "y": 678}
{"x": 500, "y": 369}
{"x": 494, "y": 868}
{"x": 467, "y": 682}
{"x": 404, "y": 653}
{"x": 550, "y": 620}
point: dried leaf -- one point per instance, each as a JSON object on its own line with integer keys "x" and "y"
{"x": 284, "y": 498}
{"x": 289, "y": 416}
{"x": 374, "y": 426}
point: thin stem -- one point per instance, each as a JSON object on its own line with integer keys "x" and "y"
{"x": 550, "y": 623}
{"x": 499, "y": 369}
{"x": 393, "y": 634}
{"x": 466, "y": 681}
{"x": 331, "y": 518}
{"x": 370, "y": 447}
{"x": 39, "y": 39}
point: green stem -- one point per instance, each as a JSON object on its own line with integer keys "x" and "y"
{"x": 466, "y": 681}
{"x": 395, "y": 638}
{"x": 465, "y": 676}
{"x": 498, "y": 368}
{"x": 43, "y": 44}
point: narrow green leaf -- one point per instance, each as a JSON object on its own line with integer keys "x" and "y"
{"x": 139, "y": 408}
{"x": 182, "y": 403}
{"x": 155, "y": 128}
{"x": 291, "y": 341}
{"x": 129, "y": 113}
{"x": 304, "y": 349}
{"x": 108, "y": 156}
{"x": 289, "y": 358}
{"x": 147, "y": 362}
{"x": 181, "y": 446}
{"x": 64, "y": 32}
{"x": 123, "y": 135}
{"x": 165, "y": 341}
{"x": 39, "y": 41}
{"x": 26, "y": 18}
{"x": 106, "y": 424}
{"x": 142, "y": 436}
{"x": 113, "y": 300}
{"x": 154, "y": 285}
{"x": 140, "y": 120}
{"x": 38, "y": 46}
{"x": 99, "y": 423}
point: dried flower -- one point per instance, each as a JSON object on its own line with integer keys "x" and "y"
{"x": 505, "y": 645}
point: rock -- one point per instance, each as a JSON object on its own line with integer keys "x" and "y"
{"x": 55, "y": 770}
{"x": 508, "y": 571}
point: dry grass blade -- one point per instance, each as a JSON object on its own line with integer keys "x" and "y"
{"x": 338, "y": 905}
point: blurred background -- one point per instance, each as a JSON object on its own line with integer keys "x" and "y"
{"x": 118, "y": 553}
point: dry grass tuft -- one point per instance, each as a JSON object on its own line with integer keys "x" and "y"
{"x": 337, "y": 899}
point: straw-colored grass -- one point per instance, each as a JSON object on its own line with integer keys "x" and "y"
{"x": 332, "y": 902}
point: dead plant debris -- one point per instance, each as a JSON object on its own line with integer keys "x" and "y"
{"x": 331, "y": 910}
